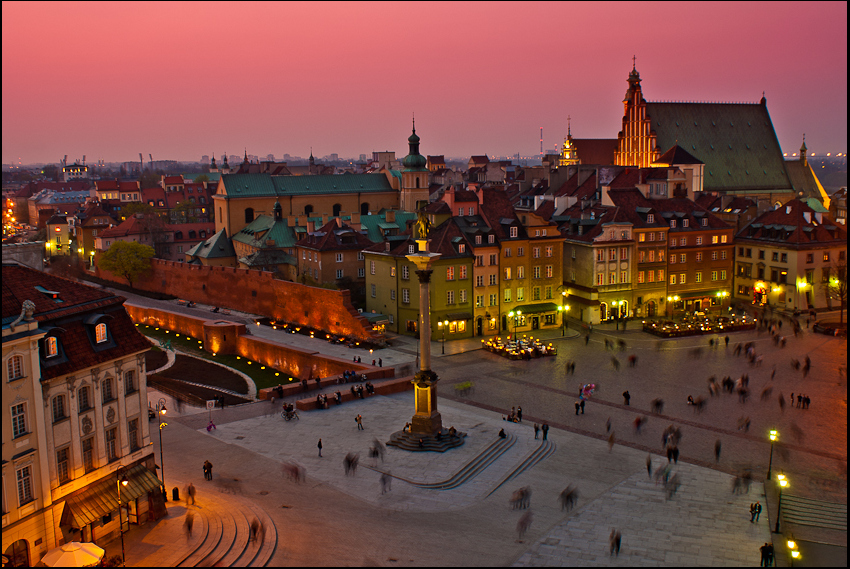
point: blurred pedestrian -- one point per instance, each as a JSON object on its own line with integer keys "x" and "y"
{"x": 611, "y": 441}
{"x": 359, "y": 420}
{"x": 320, "y": 448}
{"x": 536, "y": 430}
{"x": 524, "y": 524}
{"x": 649, "y": 465}
{"x": 608, "y": 425}
{"x": 188, "y": 523}
{"x": 578, "y": 406}
{"x": 386, "y": 483}
{"x": 190, "y": 494}
{"x": 626, "y": 397}
{"x": 545, "y": 429}
{"x": 717, "y": 451}
{"x": 782, "y": 402}
{"x": 582, "y": 406}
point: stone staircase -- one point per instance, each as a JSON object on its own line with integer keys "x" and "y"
{"x": 808, "y": 512}
{"x": 544, "y": 451}
{"x": 225, "y": 536}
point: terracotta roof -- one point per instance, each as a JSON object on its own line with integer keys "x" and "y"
{"x": 546, "y": 209}
{"x": 795, "y": 224}
{"x": 334, "y": 237}
{"x": 677, "y": 155}
{"x": 587, "y": 189}
{"x": 172, "y": 180}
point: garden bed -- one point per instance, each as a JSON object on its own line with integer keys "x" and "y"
{"x": 195, "y": 370}
{"x": 192, "y": 394}
{"x": 155, "y": 359}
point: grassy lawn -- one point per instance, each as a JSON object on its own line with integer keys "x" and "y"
{"x": 263, "y": 376}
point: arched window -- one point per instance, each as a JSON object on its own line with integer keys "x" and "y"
{"x": 59, "y": 408}
{"x": 100, "y": 333}
{"x": 191, "y": 200}
{"x": 108, "y": 390}
{"x": 364, "y": 208}
{"x": 417, "y": 182}
{"x": 84, "y": 398}
{"x": 203, "y": 200}
{"x": 178, "y": 235}
{"x": 18, "y": 553}
{"x": 308, "y": 209}
{"x": 249, "y": 214}
{"x": 130, "y": 381}
{"x": 191, "y": 234}
{"x": 15, "y": 367}
{"x": 336, "y": 209}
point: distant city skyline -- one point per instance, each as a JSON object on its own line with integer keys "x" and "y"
{"x": 111, "y": 80}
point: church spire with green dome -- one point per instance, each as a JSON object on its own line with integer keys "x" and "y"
{"x": 414, "y": 160}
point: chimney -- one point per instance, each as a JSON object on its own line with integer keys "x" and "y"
{"x": 324, "y": 219}
{"x": 338, "y": 221}
{"x": 311, "y": 226}
{"x": 302, "y": 220}
{"x": 390, "y": 216}
{"x": 290, "y": 220}
{"x": 355, "y": 219}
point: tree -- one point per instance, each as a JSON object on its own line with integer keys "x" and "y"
{"x": 202, "y": 178}
{"x": 127, "y": 259}
{"x": 51, "y": 172}
{"x": 150, "y": 179}
{"x": 133, "y": 208}
{"x": 184, "y": 212}
{"x": 836, "y": 286}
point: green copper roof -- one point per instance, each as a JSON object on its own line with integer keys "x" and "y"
{"x": 279, "y": 231}
{"x": 265, "y": 185}
{"x": 374, "y": 223}
{"x": 216, "y": 246}
{"x": 736, "y": 142}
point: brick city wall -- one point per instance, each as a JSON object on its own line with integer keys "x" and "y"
{"x": 223, "y": 337}
{"x": 256, "y": 292}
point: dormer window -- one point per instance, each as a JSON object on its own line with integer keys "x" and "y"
{"x": 491, "y": 239}
{"x": 100, "y": 333}
{"x": 478, "y": 240}
{"x": 704, "y": 222}
{"x": 650, "y": 218}
{"x": 685, "y": 222}
{"x": 672, "y": 224}
{"x": 51, "y": 346}
{"x": 461, "y": 248}
{"x": 514, "y": 231}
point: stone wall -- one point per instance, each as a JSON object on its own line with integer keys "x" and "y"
{"x": 256, "y": 292}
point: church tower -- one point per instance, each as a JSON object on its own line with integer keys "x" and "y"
{"x": 803, "y": 151}
{"x": 414, "y": 177}
{"x": 635, "y": 142}
{"x": 568, "y": 152}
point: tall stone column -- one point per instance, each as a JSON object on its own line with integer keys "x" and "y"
{"x": 426, "y": 419}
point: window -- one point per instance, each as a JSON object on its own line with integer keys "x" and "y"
{"x": 549, "y": 251}
{"x": 461, "y": 248}
{"x": 130, "y": 382}
{"x": 650, "y": 218}
{"x": 494, "y": 300}
{"x": 600, "y": 255}
{"x": 704, "y": 222}
{"x": 392, "y": 294}
{"x": 714, "y": 255}
{"x": 749, "y": 253}
{"x": 479, "y": 301}
{"x": 641, "y": 237}
{"x": 462, "y": 296}
{"x": 681, "y": 278}
{"x": 549, "y": 271}
{"x": 478, "y": 240}
{"x": 740, "y": 251}
{"x": 405, "y": 272}
{"x": 460, "y": 211}
{"x": 672, "y": 224}
{"x": 672, "y": 259}
{"x": 612, "y": 278}
{"x": 51, "y": 346}
{"x": 63, "y": 469}
{"x": 683, "y": 257}
{"x": 84, "y": 398}
{"x": 371, "y": 267}
{"x": 15, "y": 367}
{"x": 641, "y": 256}
{"x": 507, "y": 273}
{"x": 623, "y": 277}
{"x": 775, "y": 256}
{"x": 507, "y": 251}
{"x": 493, "y": 260}
{"x": 520, "y": 294}
{"x": 640, "y": 277}
{"x": 112, "y": 444}
{"x": 810, "y": 257}
{"x": 514, "y": 231}
{"x": 699, "y": 240}
{"x": 652, "y": 256}
{"x": 652, "y": 236}
{"x": 19, "y": 420}
{"x": 536, "y": 272}
{"x": 361, "y": 272}
{"x": 491, "y": 239}
{"x": 784, "y": 257}
{"x": 507, "y": 295}
{"x": 471, "y": 211}
{"x": 520, "y": 272}
{"x": 492, "y": 280}
{"x": 661, "y": 236}
{"x": 683, "y": 242}
{"x": 462, "y": 272}
{"x": 699, "y": 257}
{"x": 374, "y": 291}
{"x": 572, "y": 275}
{"x": 88, "y": 454}
{"x": 450, "y": 273}
{"x": 698, "y": 277}
{"x": 714, "y": 239}
{"x": 339, "y": 257}
{"x": 723, "y": 256}
{"x": 479, "y": 280}
{"x": 650, "y": 275}
{"x": 360, "y": 256}
{"x": 339, "y": 273}
{"x": 826, "y": 257}
{"x": 612, "y": 254}
{"x": 535, "y": 293}
{"x": 714, "y": 275}
{"x": 405, "y": 295}
{"x": 535, "y": 252}
{"x": 59, "y": 408}
{"x": 520, "y": 251}
{"x": 24, "y": 477}
{"x": 723, "y": 238}
{"x": 624, "y": 253}
{"x": 108, "y": 394}
{"x": 672, "y": 279}
{"x": 686, "y": 222}
{"x": 660, "y": 275}
{"x": 723, "y": 276}
{"x": 548, "y": 292}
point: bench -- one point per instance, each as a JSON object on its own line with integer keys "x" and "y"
{"x": 388, "y": 387}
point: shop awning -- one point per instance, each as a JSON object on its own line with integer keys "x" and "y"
{"x": 537, "y": 308}
{"x": 698, "y": 294}
{"x": 101, "y": 497}
{"x": 458, "y": 316}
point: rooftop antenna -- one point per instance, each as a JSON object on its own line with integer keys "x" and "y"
{"x": 541, "y": 141}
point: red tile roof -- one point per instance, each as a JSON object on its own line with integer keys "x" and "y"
{"x": 796, "y": 224}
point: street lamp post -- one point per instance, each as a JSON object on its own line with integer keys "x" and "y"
{"x": 160, "y": 413}
{"x": 564, "y": 308}
{"x": 792, "y": 547}
{"x": 774, "y": 434}
{"x": 515, "y": 316}
{"x": 443, "y": 325}
{"x": 783, "y": 482}
{"x": 121, "y": 481}
{"x": 670, "y": 301}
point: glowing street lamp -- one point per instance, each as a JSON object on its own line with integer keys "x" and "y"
{"x": 774, "y": 434}
{"x": 795, "y": 553}
{"x": 121, "y": 481}
{"x": 442, "y": 326}
{"x": 783, "y": 482}
{"x": 515, "y": 316}
{"x": 160, "y": 412}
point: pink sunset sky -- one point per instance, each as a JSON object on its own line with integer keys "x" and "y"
{"x": 180, "y": 80}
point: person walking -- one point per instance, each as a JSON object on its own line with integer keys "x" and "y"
{"x": 380, "y": 362}
{"x": 649, "y": 465}
{"x": 758, "y": 510}
{"x": 608, "y": 425}
{"x": 519, "y": 414}
{"x": 320, "y": 448}
{"x": 208, "y": 470}
{"x": 716, "y": 451}
{"x": 190, "y": 494}
{"x": 626, "y": 397}
{"x": 764, "y": 556}
{"x": 611, "y": 441}
{"x": 578, "y": 405}
{"x": 582, "y": 406}
{"x": 536, "y": 430}
{"x": 359, "y": 420}
{"x": 799, "y": 400}
{"x": 752, "y": 512}
{"x": 188, "y": 523}
{"x": 545, "y": 429}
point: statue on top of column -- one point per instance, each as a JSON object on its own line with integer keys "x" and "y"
{"x": 422, "y": 225}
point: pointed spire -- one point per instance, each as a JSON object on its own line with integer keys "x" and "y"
{"x": 634, "y": 61}
{"x": 803, "y": 150}
{"x": 414, "y": 123}
{"x": 568, "y": 126}
{"x": 246, "y": 155}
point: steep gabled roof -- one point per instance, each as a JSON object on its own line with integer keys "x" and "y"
{"x": 794, "y": 224}
{"x": 334, "y": 237}
{"x": 677, "y": 155}
{"x": 217, "y": 246}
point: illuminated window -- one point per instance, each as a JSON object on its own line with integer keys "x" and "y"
{"x": 698, "y": 277}
{"x": 507, "y": 273}
{"x": 51, "y": 346}
{"x": 723, "y": 276}
{"x": 520, "y": 272}
{"x": 479, "y": 301}
{"x": 549, "y": 271}
{"x": 681, "y": 278}
{"x": 660, "y": 275}
{"x": 640, "y": 277}
{"x": 507, "y": 295}
{"x": 535, "y": 252}
{"x": 699, "y": 240}
{"x": 392, "y": 271}
{"x": 536, "y": 272}
{"x": 450, "y": 273}
{"x": 672, "y": 279}
{"x": 612, "y": 278}
{"x": 714, "y": 239}
{"x": 623, "y": 277}
{"x": 100, "y": 333}
{"x": 642, "y": 237}
{"x": 549, "y": 251}
{"x": 520, "y": 294}
{"x": 600, "y": 279}
{"x": 462, "y": 296}
{"x": 650, "y": 218}
{"x": 683, "y": 257}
